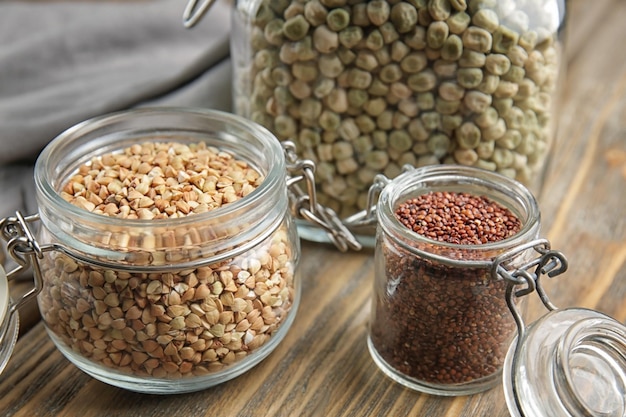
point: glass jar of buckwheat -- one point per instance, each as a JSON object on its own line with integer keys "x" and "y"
{"x": 167, "y": 256}
{"x": 365, "y": 87}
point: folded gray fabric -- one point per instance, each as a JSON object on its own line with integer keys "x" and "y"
{"x": 64, "y": 62}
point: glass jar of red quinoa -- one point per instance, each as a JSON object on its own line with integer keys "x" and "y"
{"x": 457, "y": 249}
{"x": 440, "y": 322}
{"x": 167, "y": 257}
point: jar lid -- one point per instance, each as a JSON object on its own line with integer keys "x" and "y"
{"x": 571, "y": 362}
{"x": 8, "y": 322}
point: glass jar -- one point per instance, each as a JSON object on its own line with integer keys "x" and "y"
{"x": 445, "y": 316}
{"x": 165, "y": 305}
{"x": 440, "y": 322}
{"x": 365, "y": 87}
{"x": 571, "y": 362}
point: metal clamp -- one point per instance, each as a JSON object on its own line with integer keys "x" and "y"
{"x": 25, "y": 251}
{"x": 305, "y": 205}
{"x": 550, "y": 263}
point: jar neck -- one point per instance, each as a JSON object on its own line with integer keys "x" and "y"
{"x": 504, "y": 191}
{"x": 205, "y": 237}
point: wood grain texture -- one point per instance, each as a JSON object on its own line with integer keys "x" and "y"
{"x": 323, "y": 367}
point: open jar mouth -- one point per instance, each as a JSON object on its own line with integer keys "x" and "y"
{"x": 452, "y": 178}
{"x": 83, "y": 231}
{"x": 587, "y": 368}
{"x": 570, "y": 362}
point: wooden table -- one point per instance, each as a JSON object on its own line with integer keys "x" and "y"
{"x": 323, "y": 367}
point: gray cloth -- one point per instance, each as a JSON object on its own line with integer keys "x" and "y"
{"x": 64, "y": 62}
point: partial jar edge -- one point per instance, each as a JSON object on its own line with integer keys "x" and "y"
{"x": 9, "y": 322}
{"x": 4, "y": 295}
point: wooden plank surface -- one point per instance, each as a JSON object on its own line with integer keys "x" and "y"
{"x": 323, "y": 368}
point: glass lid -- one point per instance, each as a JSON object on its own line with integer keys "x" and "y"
{"x": 571, "y": 362}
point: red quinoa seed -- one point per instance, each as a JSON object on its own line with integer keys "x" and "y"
{"x": 459, "y": 218}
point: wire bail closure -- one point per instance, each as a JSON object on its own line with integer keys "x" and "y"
{"x": 25, "y": 251}
{"x": 305, "y": 205}
{"x": 550, "y": 263}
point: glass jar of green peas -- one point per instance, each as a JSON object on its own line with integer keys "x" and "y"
{"x": 366, "y": 87}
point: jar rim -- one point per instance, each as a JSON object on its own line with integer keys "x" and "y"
{"x": 277, "y": 167}
{"x": 76, "y": 227}
{"x": 416, "y": 181}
